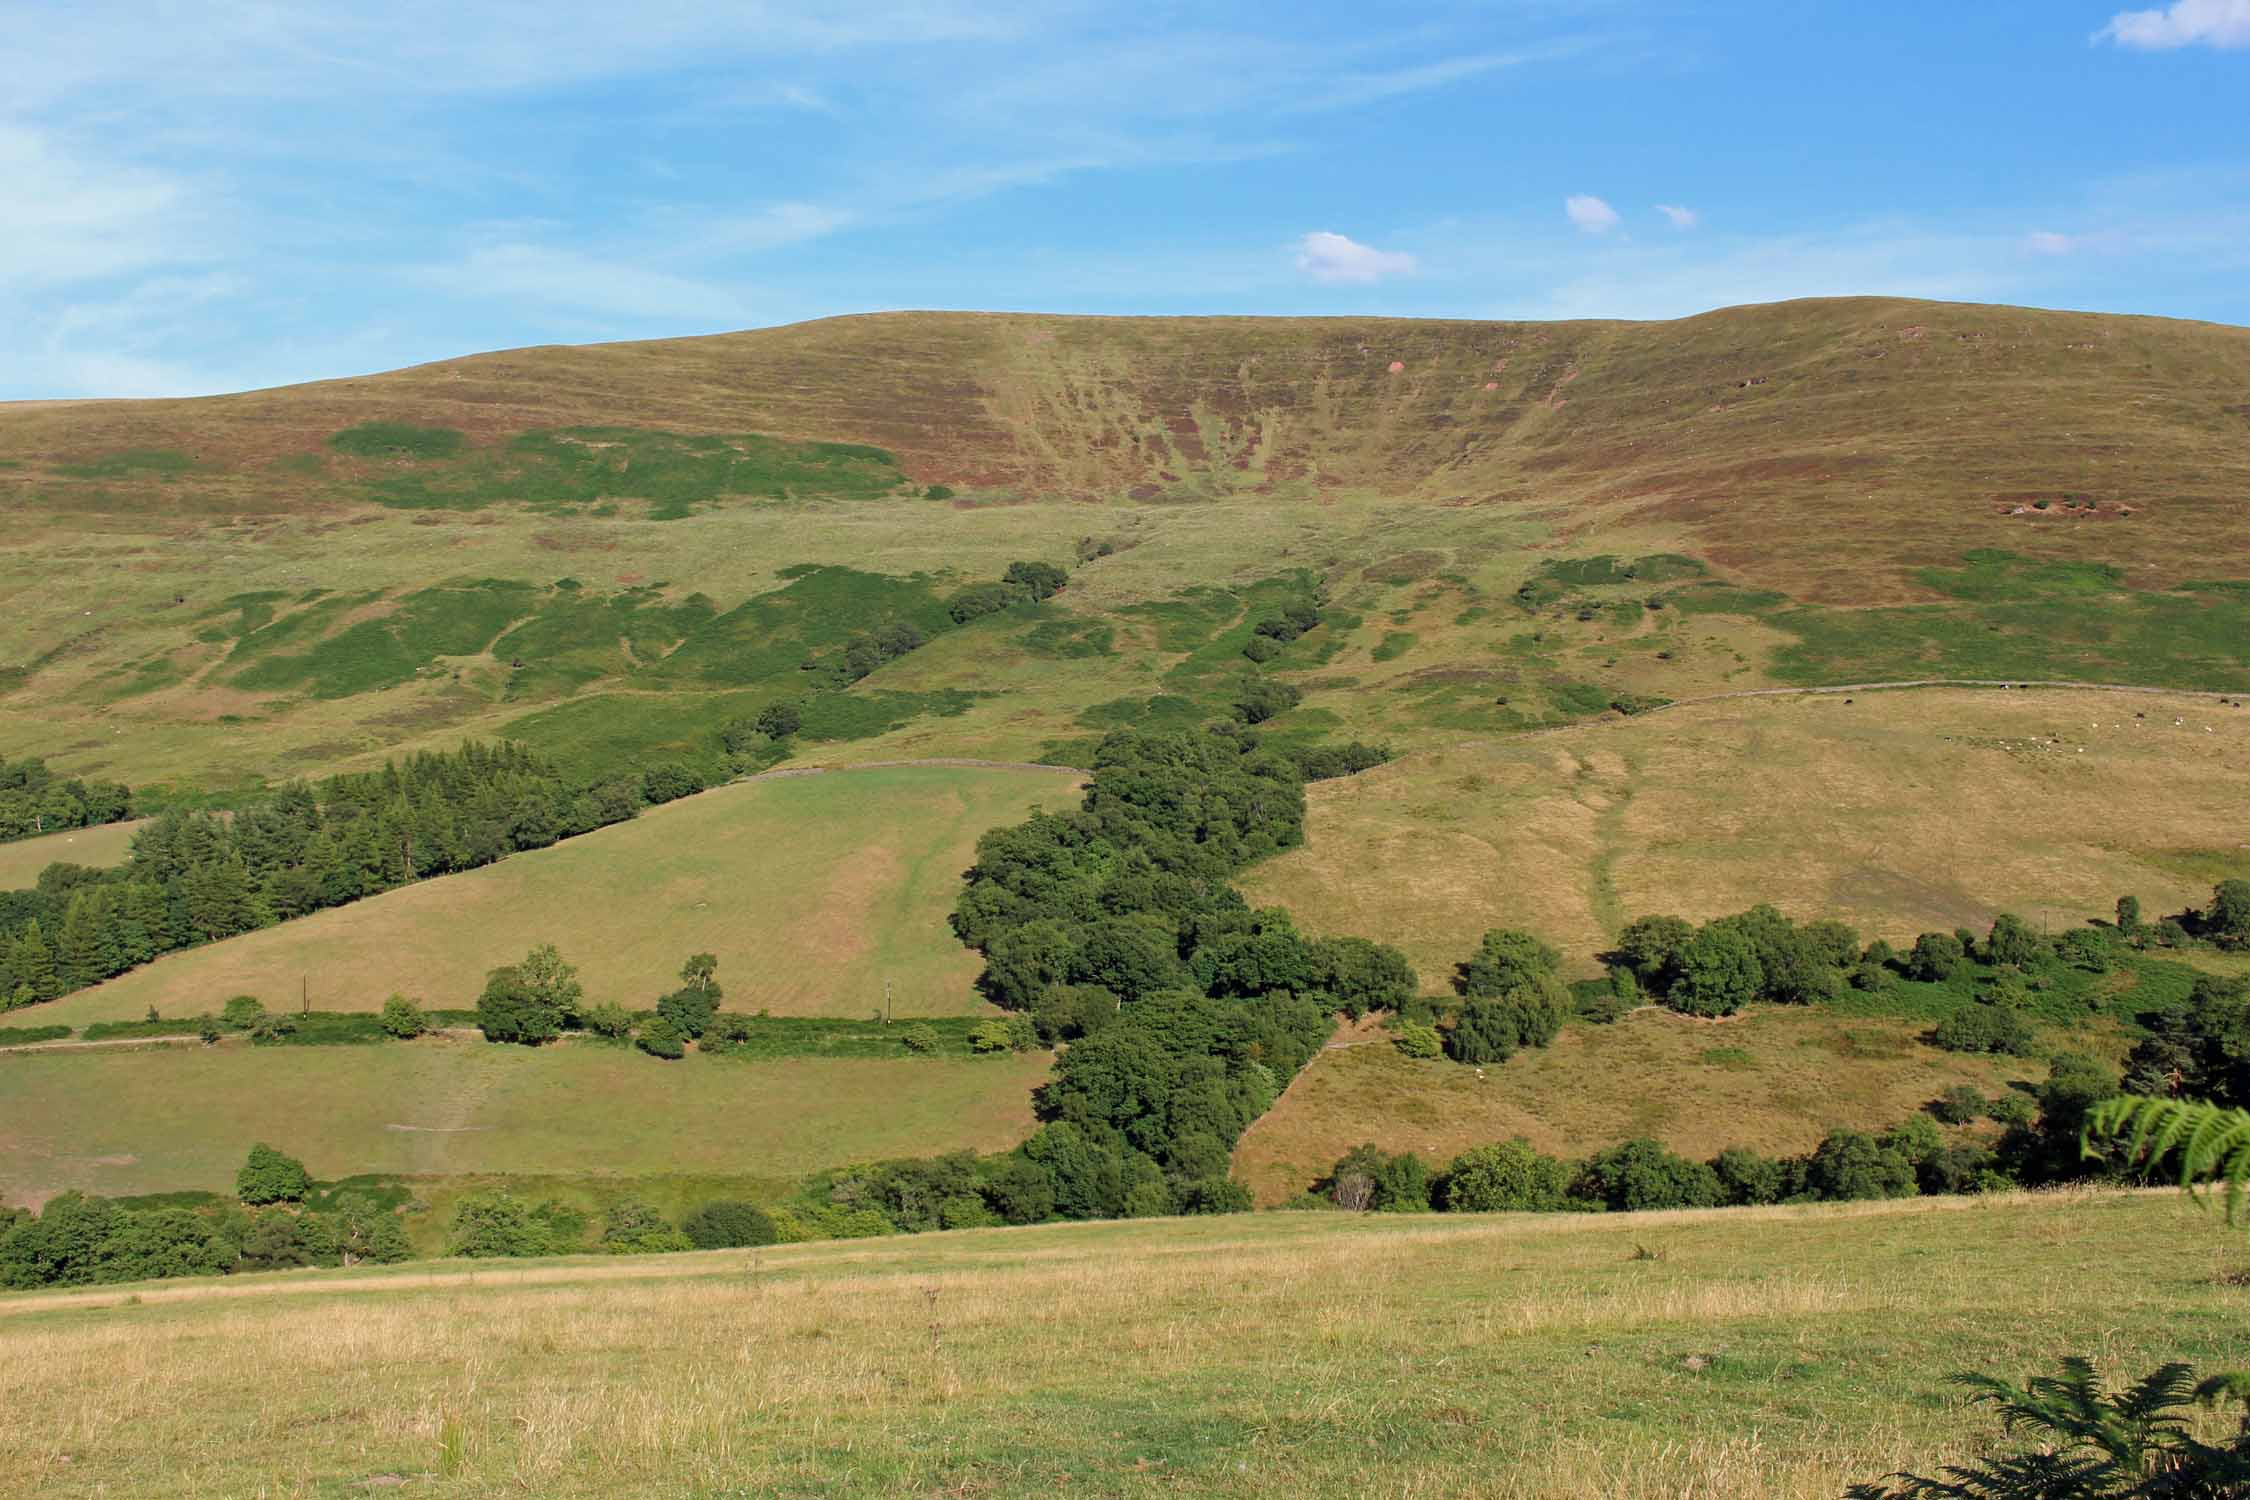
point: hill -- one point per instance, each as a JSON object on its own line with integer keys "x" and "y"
{"x": 1748, "y": 1353}
{"x": 612, "y": 550}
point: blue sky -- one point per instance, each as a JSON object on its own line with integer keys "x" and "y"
{"x": 206, "y": 197}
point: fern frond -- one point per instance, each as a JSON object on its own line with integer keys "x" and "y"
{"x": 2211, "y": 1143}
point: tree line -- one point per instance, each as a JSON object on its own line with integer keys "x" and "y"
{"x": 33, "y": 800}
{"x": 195, "y": 877}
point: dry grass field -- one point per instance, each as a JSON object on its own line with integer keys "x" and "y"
{"x": 814, "y": 891}
{"x": 21, "y": 860}
{"x": 148, "y": 1120}
{"x": 1747, "y": 1354}
{"x": 1897, "y": 811}
{"x": 1775, "y": 1079}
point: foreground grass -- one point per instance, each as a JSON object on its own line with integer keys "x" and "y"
{"x": 814, "y": 892}
{"x": 1757, "y": 1353}
{"x": 172, "y": 1118}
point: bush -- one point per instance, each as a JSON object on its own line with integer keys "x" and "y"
{"x": 2011, "y": 1109}
{"x": 501, "y": 1224}
{"x": 1417, "y": 1040}
{"x": 1851, "y": 1165}
{"x": 729, "y": 1224}
{"x": 689, "y": 1009}
{"x": 1985, "y": 1028}
{"x": 269, "y": 1176}
{"x": 1936, "y": 957}
{"x": 634, "y": 1228}
{"x": 1505, "y": 961}
{"x": 608, "y": 1019}
{"x": 1262, "y": 648}
{"x": 1506, "y": 1176}
{"x": 1641, "y": 1175}
{"x": 1039, "y": 580}
{"x": 1746, "y": 1178}
{"x": 1719, "y": 973}
{"x": 2012, "y": 942}
{"x": 1368, "y": 1179}
{"x": 1492, "y": 1031}
{"x": 1261, "y": 698}
{"x": 403, "y": 1019}
{"x": 660, "y": 1038}
{"x": 241, "y": 1013}
{"x": 1015, "y": 1033}
{"x": 1958, "y": 1105}
{"x": 919, "y": 1039}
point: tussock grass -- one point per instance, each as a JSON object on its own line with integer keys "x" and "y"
{"x": 1767, "y": 1353}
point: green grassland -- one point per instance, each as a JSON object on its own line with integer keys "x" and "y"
{"x": 148, "y": 1120}
{"x": 815, "y": 892}
{"x": 1758, "y": 1354}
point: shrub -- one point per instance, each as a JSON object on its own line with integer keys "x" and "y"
{"x": 1651, "y": 948}
{"x": 1746, "y": 1178}
{"x": 1039, "y": 580}
{"x": 1936, "y": 956}
{"x": 778, "y": 721}
{"x": 1368, "y": 1179}
{"x": 269, "y": 1176}
{"x": 1261, "y": 698}
{"x": 1719, "y": 974}
{"x": 2012, "y": 1109}
{"x": 1509, "y": 1175}
{"x": 1015, "y": 1033}
{"x": 501, "y": 1224}
{"x": 510, "y": 1011}
{"x": 608, "y": 1019}
{"x": 403, "y": 1019}
{"x": 919, "y": 1039}
{"x": 1985, "y": 1028}
{"x": 728, "y": 1224}
{"x": 634, "y": 1228}
{"x": 1262, "y": 648}
{"x": 660, "y": 1038}
{"x": 1417, "y": 1040}
{"x": 2011, "y": 941}
{"x": 1851, "y": 1165}
{"x": 1958, "y": 1105}
{"x": 1504, "y": 961}
{"x": 1492, "y": 1031}
{"x": 1641, "y": 1174}
{"x": 689, "y": 1009}
{"x": 241, "y": 1013}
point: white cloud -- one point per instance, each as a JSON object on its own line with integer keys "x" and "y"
{"x": 1589, "y": 213}
{"x": 2047, "y": 242}
{"x": 1334, "y": 259}
{"x": 1682, "y": 218}
{"x": 2184, "y": 23}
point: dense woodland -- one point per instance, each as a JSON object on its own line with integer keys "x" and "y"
{"x": 33, "y": 800}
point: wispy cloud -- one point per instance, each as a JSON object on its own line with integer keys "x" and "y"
{"x": 1678, "y": 217}
{"x": 584, "y": 285}
{"x": 1334, "y": 259}
{"x": 2047, "y": 242}
{"x": 1590, "y": 213}
{"x": 2185, "y": 23}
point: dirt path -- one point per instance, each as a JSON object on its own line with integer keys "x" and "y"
{"x": 64, "y": 1044}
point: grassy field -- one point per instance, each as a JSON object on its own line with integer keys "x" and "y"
{"x": 21, "y": 860}
{"x": 1899, "y": 812}
{"x": 177, "y": 1118}
{"x": 814, "y": 891}
{"x": 1775, "y": 1079}
{"x": 1751, "y": 1354}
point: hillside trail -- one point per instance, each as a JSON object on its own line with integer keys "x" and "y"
{"x": 953, "y": 761}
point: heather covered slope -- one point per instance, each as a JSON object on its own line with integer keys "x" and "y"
{"x": 1824, "y": 447}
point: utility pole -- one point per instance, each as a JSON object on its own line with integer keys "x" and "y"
{"x": 886, "y": 1002}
